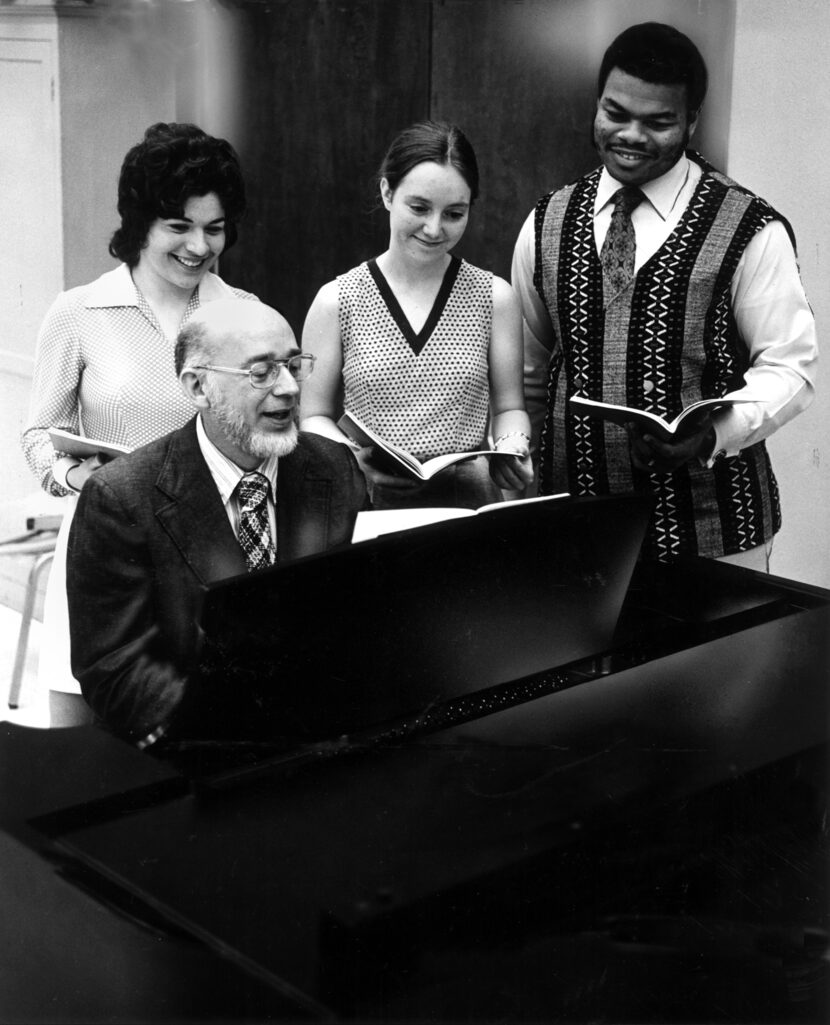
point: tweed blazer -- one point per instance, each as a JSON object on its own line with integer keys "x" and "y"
{"x": 150, "y": 533}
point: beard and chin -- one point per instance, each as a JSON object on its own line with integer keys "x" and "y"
{"x": 258, "y": 444}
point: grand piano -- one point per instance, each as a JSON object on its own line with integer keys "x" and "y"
{"x": 622, "y": 821}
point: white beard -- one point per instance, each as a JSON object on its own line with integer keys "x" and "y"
{"x": 259, "y": 444}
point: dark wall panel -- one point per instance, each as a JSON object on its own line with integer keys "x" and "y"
{"x": 521, "y": 102}
{"x": 326, "y": 86}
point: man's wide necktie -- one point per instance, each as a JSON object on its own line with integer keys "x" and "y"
{"x": 254, "y": 528}
{"x": 617, "y": 255}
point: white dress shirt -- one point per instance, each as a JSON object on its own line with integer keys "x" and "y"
{"x": 227, "y": 475}
{"x": 771, "y": 310}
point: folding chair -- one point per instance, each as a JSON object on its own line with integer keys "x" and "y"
{"x": 39, "y": 541}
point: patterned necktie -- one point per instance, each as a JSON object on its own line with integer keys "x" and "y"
{"x": 254, "y": 528}
{"x": 617, "y": 254}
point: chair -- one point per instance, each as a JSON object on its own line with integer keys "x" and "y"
{"x": 39, "y": 541}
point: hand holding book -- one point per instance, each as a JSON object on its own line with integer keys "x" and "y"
{"x": 83, "y": 455}
{"x": 652, "y": 455}
{"x": 512, "y": 474}
{"x": 388, "y": 464}
{"x": 658, "y": 445}
{"x": 82, "y": 447}
{"x": 379, "y": 468}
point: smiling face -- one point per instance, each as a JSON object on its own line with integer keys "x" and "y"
{"x": 179, "y": 251}
{"x": 641, "y": 129}
{"x": 428, "y": 211}
{"x": 246, "y": 424}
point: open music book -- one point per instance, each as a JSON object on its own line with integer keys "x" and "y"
{"x": 372, "y": 523}
{"x": 392, "y": 459}
{"x": 81, "y": 447}
{"x": 686, "y": 423}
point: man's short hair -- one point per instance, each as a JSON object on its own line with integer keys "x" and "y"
{"x": 191, "y": 346}
{"x": 660, "y": 54}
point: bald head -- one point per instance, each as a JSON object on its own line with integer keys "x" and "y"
{"x": 217, "y": 325}
{"x": 215, "y": 353}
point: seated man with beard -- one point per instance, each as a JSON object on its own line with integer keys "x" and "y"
{"x": 236, "y": 489}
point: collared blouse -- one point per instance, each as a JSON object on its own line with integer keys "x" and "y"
{"x": 104, "y": 368}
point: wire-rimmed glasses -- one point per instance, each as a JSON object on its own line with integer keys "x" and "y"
{"x": 265, "y": 373}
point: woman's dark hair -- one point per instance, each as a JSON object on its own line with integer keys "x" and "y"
{"x": 660, "y": 54}
{"x": 172, "y": 163}
{"x": 435, "y": 141}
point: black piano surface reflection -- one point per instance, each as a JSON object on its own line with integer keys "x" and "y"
{"x": 634, "y": 834}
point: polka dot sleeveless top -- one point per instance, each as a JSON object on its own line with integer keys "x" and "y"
{"x": 426, "y": 392}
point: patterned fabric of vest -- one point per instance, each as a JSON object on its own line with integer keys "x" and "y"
{"x": 431, "y": 401}
{"x": 668, "y": 339}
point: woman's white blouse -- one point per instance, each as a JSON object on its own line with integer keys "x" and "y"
{"x": 104, "y": 369}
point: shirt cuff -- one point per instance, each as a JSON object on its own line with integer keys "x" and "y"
{"x": 720, "y": 450}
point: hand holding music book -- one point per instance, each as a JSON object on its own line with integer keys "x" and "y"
{"x": 683, "y": 425}
{"x": 82, "y": 448}
{"x": 392, "y": 459}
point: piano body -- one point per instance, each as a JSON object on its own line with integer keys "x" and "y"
{"x": 635, "y": 833}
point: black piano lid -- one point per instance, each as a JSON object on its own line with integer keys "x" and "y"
{"x": 368, "y": 633}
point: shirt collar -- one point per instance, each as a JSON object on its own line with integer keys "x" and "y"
{"x": 117, "y": 288}
{"x": 226, "y": 473}
{"x": 662, "y": 192}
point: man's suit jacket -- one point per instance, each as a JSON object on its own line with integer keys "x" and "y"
{"x": 150, "y": 532}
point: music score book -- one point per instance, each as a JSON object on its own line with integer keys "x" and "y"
{"x": 392, "y": 459}
{"x": 372, "y": 523}
{"x": 666, "y": 430}
{"x": 81, "y": 447}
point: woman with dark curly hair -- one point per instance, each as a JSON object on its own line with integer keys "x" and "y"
{"x": 104, "y": 359}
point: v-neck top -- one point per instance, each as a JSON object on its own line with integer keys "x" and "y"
{"x": 425, "y": 391}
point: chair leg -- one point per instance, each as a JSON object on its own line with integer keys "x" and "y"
{"x": 26, "y": 616}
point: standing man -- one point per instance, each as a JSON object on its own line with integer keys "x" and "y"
{"x": 235, "y": 490}
{"x": 652, "y": 282}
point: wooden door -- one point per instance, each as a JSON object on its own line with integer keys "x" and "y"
{"x": 326, "y": 85}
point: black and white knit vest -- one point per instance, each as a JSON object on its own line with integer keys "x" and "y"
{"x": 668, "y": 339}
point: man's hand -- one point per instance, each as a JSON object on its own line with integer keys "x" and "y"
{"x": 651, "y": 455}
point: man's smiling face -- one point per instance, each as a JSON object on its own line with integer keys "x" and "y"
{"x": 641, "y": 129}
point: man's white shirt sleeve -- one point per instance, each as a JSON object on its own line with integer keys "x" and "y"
{"x": 775, "y": 321}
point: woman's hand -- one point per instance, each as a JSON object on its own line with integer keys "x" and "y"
{"x": 77, "y": 476}
{"x": 512, "y": 472}
{"x": 374, "y": 476}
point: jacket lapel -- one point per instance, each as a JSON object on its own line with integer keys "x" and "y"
{"x": 190, "y": 510}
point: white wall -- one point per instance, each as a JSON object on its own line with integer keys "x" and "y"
{"x": 79, "y": 85}
{"x": 779, "y": 146}
{"x": 31, "y": 258}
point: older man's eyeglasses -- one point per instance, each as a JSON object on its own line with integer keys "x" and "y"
{"x": 265, "y": 374}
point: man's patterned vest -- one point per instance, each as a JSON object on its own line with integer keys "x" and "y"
{"x": 668, "y": 339}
